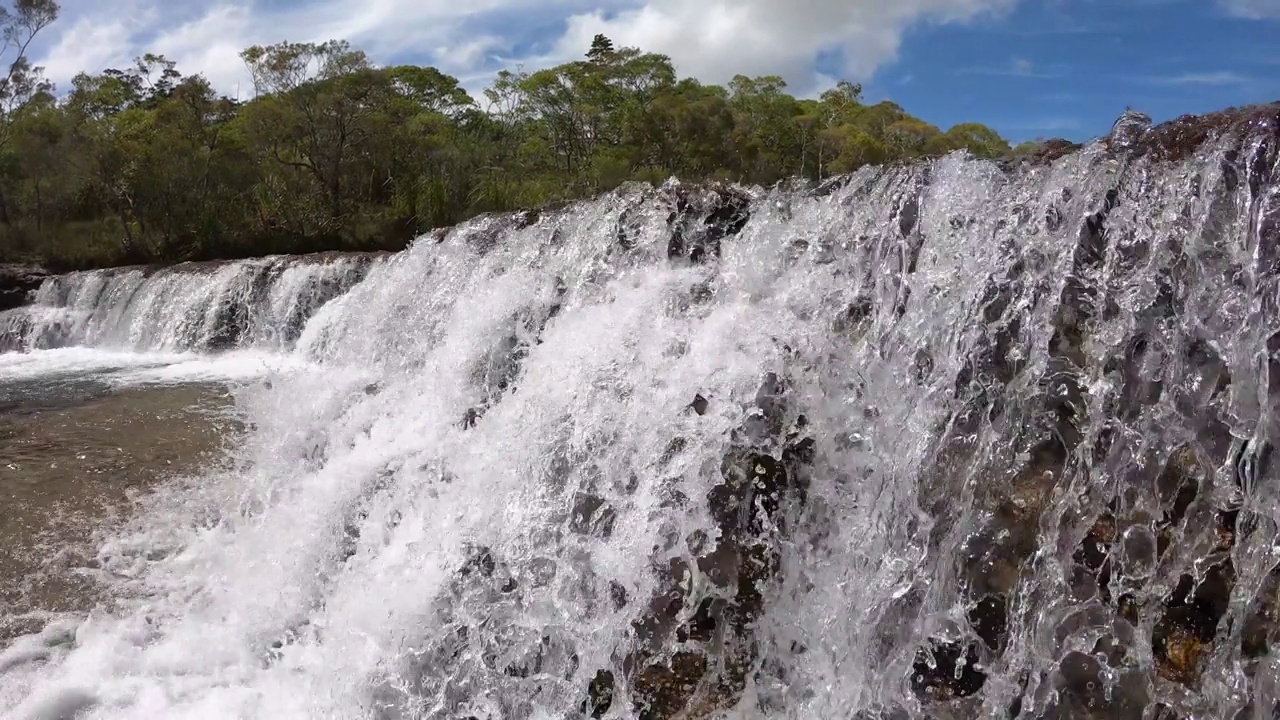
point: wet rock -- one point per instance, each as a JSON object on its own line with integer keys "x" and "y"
{"x": 946, "y": 670}
{"x": 831, "y": 185}
{"x": 699, "y": 404}
{"x": 1250, "y": 464}
{"x": 711, "y": 643}
{"x": 1093, "y": 557}
{"x": 592, "y": 516}
{"x": 1177, "y": 139}
{"x": 1178, "y": 484}
{"x": 628, "y": 228}
{"x": 991, "y": 559}
{"x": 1183, "y": 637}
{"x": 1044, "y": 153}
{"x": 599, "y": 695}
{"x": 495, "y": 373}
{"x": 233, "y": 316}
{"x": 522, "y": 219}
{"x": 664, "y": 689}
{"x": 542, "y": 571}
{"x": 1129, "y": 609}
{"x": 990, "y": 621}
{"x": 702, "y": 626}
{"x": 479, "y": 561}
{"x": 617, "y": 595}
{"x": 908, "y": 215}
{"x": 1225, "y": 530}
{"x": 1139, "y": 552}
{"x": 17, "y": 282}
{"x": 704, "y": 217}
{"x": 1128, "y": 130}
{"x": 673, "y": 449}
{"x": 483, "y": 237}
{"x": 546, "y": 655}
{"x": 1086, "y": 691}
{"x": 1262, "y": 623}
{"x": 922, "y": 366}
{"x": 853, "y": 317}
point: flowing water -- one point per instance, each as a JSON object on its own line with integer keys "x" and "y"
{"x": 951, "y": 440}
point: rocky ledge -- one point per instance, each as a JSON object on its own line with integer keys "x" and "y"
{"x": 17, "y": 282}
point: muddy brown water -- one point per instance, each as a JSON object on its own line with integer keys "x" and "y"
{"x": 75, "y": 457}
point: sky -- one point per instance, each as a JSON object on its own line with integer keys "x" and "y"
{"x": 1028, "y": 68}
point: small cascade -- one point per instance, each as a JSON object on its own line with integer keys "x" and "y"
{"x": 200, "y": 307}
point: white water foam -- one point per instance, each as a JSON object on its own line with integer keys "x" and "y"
{"x": 122, "y": 368}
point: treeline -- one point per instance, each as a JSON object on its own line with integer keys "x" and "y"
{"x": 146, "y": 164}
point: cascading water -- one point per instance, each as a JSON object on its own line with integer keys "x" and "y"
{"x": 196, "y": 307}
{"x": 949, "y": 441}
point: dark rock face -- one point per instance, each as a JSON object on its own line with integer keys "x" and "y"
{"x": 17, "y": 282}
{"x": 696, "y": 656}
{"x": 702, "y": 218}
{"x": 947, "y": 671}
{"x": 1142, "y": 515}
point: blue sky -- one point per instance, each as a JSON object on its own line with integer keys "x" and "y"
{"x": 1028, "y": 68}
{"x": 1070, "y": 68}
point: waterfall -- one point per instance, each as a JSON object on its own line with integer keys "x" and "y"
{"x": 191, "y": 307}
{"x": 950, "y": 440}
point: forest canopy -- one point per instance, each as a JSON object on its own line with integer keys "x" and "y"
{"x": 149, "y": 164}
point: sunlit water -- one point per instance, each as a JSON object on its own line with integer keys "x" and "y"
{"x": 1039, "y": 398}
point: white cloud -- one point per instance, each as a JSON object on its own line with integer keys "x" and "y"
{"x": 710, "y": 39}
{"x": 716, "y": 39}
{"x": 1252, "y": 9}
{"x": 1204, "y": 78}
{"x": 86, "y": 45}
{"x": 94, "y": 42}
{"x": 210, "y": 45}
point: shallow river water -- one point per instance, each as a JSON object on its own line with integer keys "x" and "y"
{"x": 83, "y": 436}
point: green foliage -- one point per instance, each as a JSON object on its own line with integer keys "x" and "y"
{"x": 144, "y": 164}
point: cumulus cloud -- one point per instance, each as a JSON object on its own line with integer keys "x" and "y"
{"x": 711, "y": 39}
{"x": 716, "y": 39}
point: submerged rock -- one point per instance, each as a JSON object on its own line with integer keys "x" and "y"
{"x": 710, "y": 641}
{"x": 702, "y": 218}
{"x": 947, "y": 671}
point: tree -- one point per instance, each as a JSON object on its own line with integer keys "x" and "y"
{"x": 21, "y": 82}
{"x": 767, "y": 137}
{"x": 286, "y": 66}
{"x": 19, "y": 26}
{"x": 601, "y": 51}
{"x": 978, "y": 139}
{"x": 157, "y": 75}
